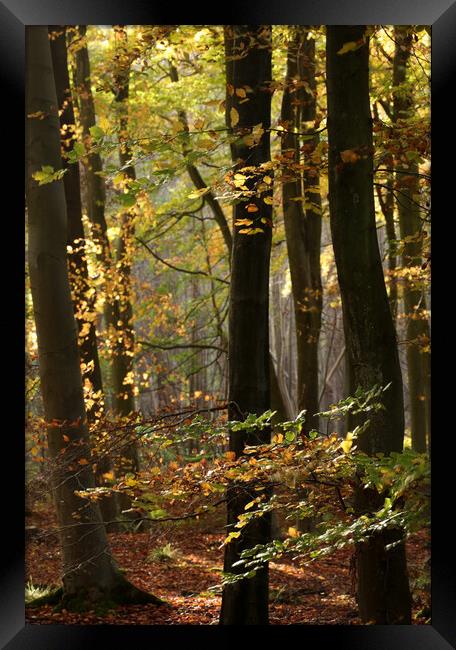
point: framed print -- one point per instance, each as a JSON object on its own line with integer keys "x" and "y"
{"x": 200, "y": 405}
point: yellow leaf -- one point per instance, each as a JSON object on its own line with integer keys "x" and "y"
{"x": 346, "y": 446}
{"x": 268, "y": 180}
{"x": 249, "y": 505}
{"x": 108, "y": 476}
{"x": 292, "y": 532}
{"x": 234, "y": 117}
{"x": 243, "y": 222}
{"x": 207, "y": 487}
{"x": 231, "y": 536}
{"x": 268, "y": 200}
{"x": 240, "y": 92}
{"x": 197, "y": 193}
{"x": 350, "y": 46}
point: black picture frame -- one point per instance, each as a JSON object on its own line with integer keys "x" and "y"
{"x": 14, "y": 16}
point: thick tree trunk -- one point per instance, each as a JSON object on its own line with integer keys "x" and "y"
{"x": 383, "y": 590}
{"x": 407, "y": 198}
{"x": 90, "y": 573}
{"x": 246, "y": 601}
{"x": 302, "y": 215}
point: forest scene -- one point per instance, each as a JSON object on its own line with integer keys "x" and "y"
{"x": 227, "y": 334}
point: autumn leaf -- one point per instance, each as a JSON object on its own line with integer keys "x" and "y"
{"x": 197, "y": 193}
{"x": 234, "y": 117}
{"x": 350, "y": 46}
{"x": 243, "y": 222}
{"x": 349, "y": 156}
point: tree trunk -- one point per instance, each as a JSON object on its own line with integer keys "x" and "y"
{"x": 90, "y": 573}
{"x": 83, "y": 297}
{"x": 277, "y": 398}
{"x": 246, "y": 601}
{"x": 407, "y": 198}
{"x": 386, "y": 201}
{"x": 78, "y": 272}
{"x": 383, "y": 590}
{"x": 302, "y": 215}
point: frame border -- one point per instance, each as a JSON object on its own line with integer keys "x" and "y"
{"x": 14, "y": 16}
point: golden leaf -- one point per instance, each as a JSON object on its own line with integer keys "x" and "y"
{"x": 234, "y": 117}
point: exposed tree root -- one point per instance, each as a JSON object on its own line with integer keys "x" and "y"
{"x": 123, "y": 593}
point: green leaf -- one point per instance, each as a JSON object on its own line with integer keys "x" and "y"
{"x": 47, "y": 174}
{"x": 96, "y": 132}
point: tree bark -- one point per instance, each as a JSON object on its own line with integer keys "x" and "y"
{"x": 96, "y": 197}
{"x": 383, "y": 589}
{"x": 407, "y": 198}
{"x": 248, "y": 64}
{"x": 83, "y": 301}
{"x": 277, "y": 398}
{"x": 302, "y": 215}
{"x": 90, "y": 573}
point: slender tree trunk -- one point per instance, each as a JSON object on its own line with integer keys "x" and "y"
{"x": 122, "y": 367}
{"x": 90, "y": 573}
{"x": 124, "y": 392}
{"x": 383, "y": 589}
{"x": 386, "y": 200}
{"x": 96, "y": 198}
{"x": 83, "y": 296}
{"x": 83, "y": 301}
{"x": 246, "y": 601}
{"x": 96, "y": 193}
{"x": 117, "y": 310}
{"x": 408, "y": 198}
{"x": 302, "y": 215}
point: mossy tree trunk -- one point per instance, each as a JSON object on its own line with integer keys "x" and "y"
{"x": 383, "y": 589}
{"x": 408, "y": 203}
{"x": 90, "y": 573}
{"x": 246, "y": 601}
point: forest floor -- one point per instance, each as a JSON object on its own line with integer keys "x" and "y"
{"x": 179, "y": 562}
